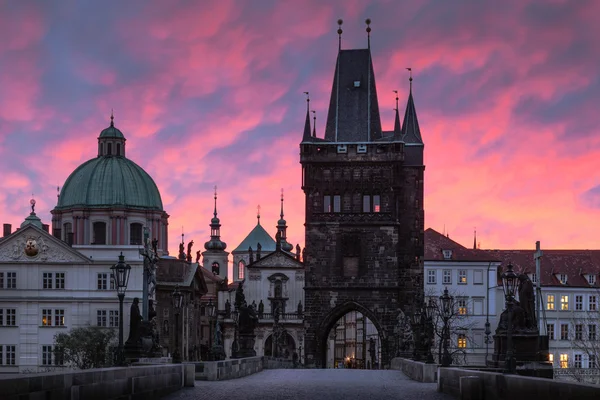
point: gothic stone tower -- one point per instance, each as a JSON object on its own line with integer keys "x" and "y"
{"x": 364, "y": 211}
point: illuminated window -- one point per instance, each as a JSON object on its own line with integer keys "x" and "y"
{"x": 59, "y": 317}
{"x": 578, "y": 302}
{"x": 241, "y": 266}
{"x": 551, "y": 358}
{"x": 564, "y": 360}
{"x": 550, "y": 302}
{"x": 592, "y": 303}
{"x": 46, "y": 317}
{"x": 563, "y": 278}
{"x": 462, "y": 276}
{"x": 462, "y": 306}
{"x": 376, "y": 203}
{"x": 564, "y": 302}
{"x": 462, "y": 341}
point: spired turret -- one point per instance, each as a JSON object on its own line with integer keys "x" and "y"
{"x": 214, "y": 258}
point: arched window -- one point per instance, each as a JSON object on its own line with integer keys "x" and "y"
{"x": 135, "y": 233}
{"x": 241, "y": 266}
{"x": 278, "y": 289}
{"x": 99, "y": 233}
{"x": 99, "y": 149}
{"x": 109, "y": 151}
{"x": 118, "y": 149}
{"x": 215, "y": 268}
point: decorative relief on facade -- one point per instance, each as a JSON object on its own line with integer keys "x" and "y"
{"x": 34, "y": 247}
{"x": 254, "y": 277}
{"x": 277, "y": 261}
{"x": 299, "y": 277}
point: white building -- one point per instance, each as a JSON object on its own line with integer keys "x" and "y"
{"x": 470, "y": 277}
{"x": 52, "y": 283}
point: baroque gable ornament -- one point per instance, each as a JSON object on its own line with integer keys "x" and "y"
{"x": 277, "y": 261}
{"x": 34, "y": 247}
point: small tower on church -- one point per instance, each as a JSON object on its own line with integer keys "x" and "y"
{"x": 282, "y": 230}
{"x": 215, "y": 256}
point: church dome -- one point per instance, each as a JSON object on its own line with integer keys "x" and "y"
{"x": 110, "y": 180}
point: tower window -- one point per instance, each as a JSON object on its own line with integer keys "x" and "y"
{"x": 118, "y": 149}
{"x": 99, "y": 233}
{"x": 376, "y": 203}
{"x": 241, "y": 266}
{"x": 109, "y": 149}
{"x": 67, "y": 228}
{"x": 327, "y": 204}
{"x": 350, "y": 255}
{"x": 366, "y": 203}
{"x": 332, "y": 206}
{"x": 215, "y": 268}
{"x": 337, "y": 204}
{"x": 135, "y": 234}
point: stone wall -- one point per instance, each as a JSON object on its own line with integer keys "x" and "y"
{"x": 415, "y": 370}
{"x": 147, "y": 382}
{"x": 497, "y": 386}
{"x": 278, "y": 363}
{"x": 227, "y": 369}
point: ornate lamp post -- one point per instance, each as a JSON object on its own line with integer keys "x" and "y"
{"x": 446, "y": 302}
{"x": 212, "y": 309}
{"x": 428, "y": 328}
{"x": 120, "y": 275}
{"x": 510, "y": 282}
{"x": 416, "y": 323}
{"x": 177, "y": 298}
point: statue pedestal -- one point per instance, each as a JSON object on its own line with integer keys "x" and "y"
{"x": 246, "y": 345}
{"x": 530, "y": 351}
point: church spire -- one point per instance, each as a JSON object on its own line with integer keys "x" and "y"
{"x": 397, "y": 126}
{"x": 306, "y": 137}
{"x": 215, "y": 242}
{"x": 282, "y": 229}
{"x": 314, "y": 134}
{"x": 410, "y": 126}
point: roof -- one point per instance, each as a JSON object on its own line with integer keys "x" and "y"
{"x": 353, "y": 104}
{"x": 32, "y": 219}
{"x": 436, "y": 243}
{"x": 109, "y": 181}
{"x": 576, "y": 264}
{"x": 112, "y": 132}
{"x": 411, "y": 133}
{"x": 257, "y": 235}
{"x": 210, "y": 276}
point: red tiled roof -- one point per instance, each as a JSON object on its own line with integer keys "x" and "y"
{"x": 576, "y": 264}
{"x": 209, "y": 275}
{"x": 436, "y": 243}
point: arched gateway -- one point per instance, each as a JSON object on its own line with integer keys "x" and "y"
{"x": 364, "y": 211}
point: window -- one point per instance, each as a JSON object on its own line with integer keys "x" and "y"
{"x": 50, "y": 357}
{"x": 550, "y": 329}
{"x": 8, "y": 317}
{"x": 101, "y": 318}
{"x": 216, "y": 268}
{"x": 577, "y": 361}
{"x": 109, "y": 149}
{"x": 8, "y": 280}
{"x": 564, "y": 360}
{"x": 462, "y": 276}
{"x": 462, "y": 306}
{"x": 135, "y": 234}
{"x": 564, "y": 331}
{"x": 103, "y": 279}
{"x": 337, "y": 204}
{"x": 376, "y": 203}
{"x": 59, "y": 317}
{"x": 47, "y": 280}
{"x": 534, "y": 278}
{"x": 107, "y": 318}
{"x": 327, "y": 204}
{"x": 592, "y": 363}
{"x": 118, "y": 149}
{"x": 462, "y": 341}
{"x": 550, "y": 302}
{"x": 113, "y": 318}
{"x": 592, "y": 303}
{"x": 447, "y": 254}
{"x": 431, "y": 277}
{"x": 67, "y": 228}
{"x": 592, "y": 332}
{"x": 478, "y": 306}
{"x": 447, "y": 277}
{"x": 241, "y": 266}
{"x": 8, "y": 355}
{"x": 564, "y": 302}
{"x": 478, "y": 277}
{"x": 59, "y": 280}
{"x": 478, "y": 339}
{"x": 578, "y": 332}
{"x": 366, "y": 203}
{"x": 578, "y": 302}
{"x": 562, "y": 278}
{"x": 99, "y": 233}
{"x": 551, "y": 358}
{"x": 591, "y": 279}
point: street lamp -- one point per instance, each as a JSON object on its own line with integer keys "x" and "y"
{"x": 211, "y": 314}
{"x": 120, "y": 275}
{"x": 510, "y": 283}
{"x": 446, "y": 301}
{"x": 416, "y": 323}
{"x": 428, "y": 328}
{"x": 177, "y": 299}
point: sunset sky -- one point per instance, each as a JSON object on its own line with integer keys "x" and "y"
{"x": 211, "y": 93}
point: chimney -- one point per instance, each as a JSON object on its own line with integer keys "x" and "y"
{"x": 7, "y": 230}
{"x": 46, "y": 227}
{"x": 70, "y": 237}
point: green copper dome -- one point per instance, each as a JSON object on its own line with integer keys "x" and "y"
{"x": 109, "y": 181}
{"x": 111, "y": 131}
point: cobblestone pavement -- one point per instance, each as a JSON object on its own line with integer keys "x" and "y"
{"x": 313, "y": 384}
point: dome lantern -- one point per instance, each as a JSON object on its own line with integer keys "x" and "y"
{"x": 111, "y": 141}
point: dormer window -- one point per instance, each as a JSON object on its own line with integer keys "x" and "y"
{"x": 562, "y": 278}
{"x": 533, "y": 278}
{"x": 591, "y": 279}
{"x": 447, "y": 254}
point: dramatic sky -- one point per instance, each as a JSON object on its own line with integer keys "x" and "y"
{"x": 211, "y": 93}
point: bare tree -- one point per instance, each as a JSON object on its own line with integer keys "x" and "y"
{"x": 585, "y": 340}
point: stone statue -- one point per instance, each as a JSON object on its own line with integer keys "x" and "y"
{"x": 300, "y": 308}
{"x": 526, "y": 299}
{"x": 189, "y": 251}
{"x": 218, "y": 335}
{"x": 298, "y": 252}
{"x": 304, "y": 255}
{"x": 155, "y": 247}
{"x": 151, "y": 265}
{"x": 227, "y": 308}
{"x": 258, "y": 250}
{"x": 240, "y": 298}
{"x": 198, "y": 256}
{"x": 181, "y": 251}
{"x": 254, "y": 304}
{"x": 135, "y": 319}
{"x": 251, "y": 255}
{"x": 248, "y": 320}
{"x": 276, "y": 312}
{"x": 261, "y": 309}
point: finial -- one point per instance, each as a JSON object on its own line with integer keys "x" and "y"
{"x": 410, "y": 77}
{"x": 395, "y": 91}
{"x": 368, "y": 22}
{"x": 215, "y": 213}
{"x": 314, "y": 123}
{"x": 182, "y": 241}
{"x": 307, "y": 101}
{"x": 339, "y": 31}
{"x": 281, "y": 215}
{"x": 57, "y": 191}
{"x": 32, "y": 202}
{"x": 258, "y": 213}
{"x": 112, "y": 118}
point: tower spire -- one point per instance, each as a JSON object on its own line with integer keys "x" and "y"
{"x": 339, "y": 32}
{"x": 475, "y": 239}
{"x": 282, "y": 230}
{"x": 306, "y": 136}
{"x": 368, "y": 22}
{"x": 281, "y": 214}
{"x": 314, "y": 134}
{"x": 112, "y": 118}
{"x": 397, "y": 126}
{"x": 215, "y": 212}
{"x": 410, "y": 126}
{"x": 215, "y": 242}
{"x": 258, "y": 214}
